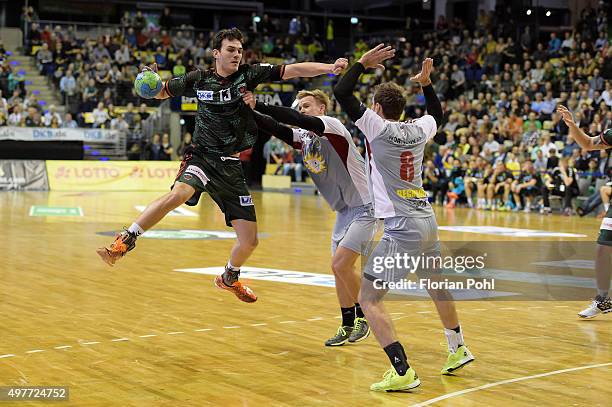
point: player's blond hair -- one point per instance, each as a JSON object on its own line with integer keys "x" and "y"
{"x": 318, "y": 95}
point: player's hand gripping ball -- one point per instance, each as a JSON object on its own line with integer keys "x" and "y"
{"x": 148, "y": 84}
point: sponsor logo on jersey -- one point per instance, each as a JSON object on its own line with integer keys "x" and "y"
{"x": 314, "y": 162}
{"x": 192, "y": 169}
{"x": 411, "y": 193}
{"x": 393, "y": 139}
{"x": 246, "y": 200}
{"x": 242, "y": 88}
{"x": 311, "y": 147}
{"x": 205, "y": 94}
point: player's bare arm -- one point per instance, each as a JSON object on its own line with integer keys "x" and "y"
{"x": 585, "y": 141}
{"x": 311, "y": 69}
{"x": 343, "y": 91}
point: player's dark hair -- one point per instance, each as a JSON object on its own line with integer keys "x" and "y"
{"x": 390, "y": 96}
{"x": 226, "y": 34}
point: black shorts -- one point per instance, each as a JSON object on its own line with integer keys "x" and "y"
{"x": 223, "y": 179}
{"x": 605, "y": 232}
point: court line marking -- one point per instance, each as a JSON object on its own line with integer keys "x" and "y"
{"x": 502, "y": 382}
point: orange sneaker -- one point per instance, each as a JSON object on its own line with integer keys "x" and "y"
{"x": 243, "y": 292}
{"x": 124, "y": 242}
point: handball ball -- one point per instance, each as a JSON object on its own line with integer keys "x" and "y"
{"x": 147, "y": 84}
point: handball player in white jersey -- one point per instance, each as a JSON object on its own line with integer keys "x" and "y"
{"x": 394, "y": 167}
{"x": 338, "y": 171}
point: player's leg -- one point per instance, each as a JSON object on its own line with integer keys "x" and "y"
{"x": 516, "y": 194}
{"x": 458, "y": 353}
{"x": 603, "y": 270}
{"x": 154, "y": 213}
{"x": 490, "y": 193}
{"x": 469, "y": 188}
{"x": 348, "y": 243}
{"x": 506, "y": 196}
{"x": 347, "y": 291}
{"x": 481, "y": 194}
{"x": 401, "y": 376}
{"x": 373, "y": 289}
{"x": 605, "y": 192}
{"x": 230, "y": 192}
{"x": 246, "y": 241}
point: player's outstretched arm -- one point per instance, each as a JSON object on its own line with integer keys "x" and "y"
{"x": 343, "y": 91}
{"x": 583, "y": 140}
{"x": 292, "y": 117}
{"x": 267, "y": 124}
{"x": 432, "y": 103}
{"x": 311, "y": 69}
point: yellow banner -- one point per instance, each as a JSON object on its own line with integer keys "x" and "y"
{"x": 111, "y": 175}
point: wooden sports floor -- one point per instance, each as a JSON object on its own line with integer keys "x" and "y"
{"x": 144, "y": 334}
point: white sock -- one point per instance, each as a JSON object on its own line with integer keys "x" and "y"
{"x": 229, "y": 266}
{"x": 470, "y": 202}
{"x": 453, "y": 339}
{"x": 136, "y": 229}
{"x": 606, "y": 206}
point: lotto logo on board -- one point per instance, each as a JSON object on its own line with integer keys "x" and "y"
{"x": 110, "y": 176}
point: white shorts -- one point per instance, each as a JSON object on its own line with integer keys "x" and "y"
{"x": 355, "y": 229}
{"x": 403, "y": 235}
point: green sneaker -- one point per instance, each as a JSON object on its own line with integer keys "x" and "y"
{"x": 360, "y": 332}
{"x": 457, "y": 360}
{"x": 343, "y": 334}
{"x": 392, "y": 381}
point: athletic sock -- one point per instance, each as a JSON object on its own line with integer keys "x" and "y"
{"x": 348, "y": 316}
{"x": 606, "y": 206}
{"x": 230, "y": 275}
{"x": 454, "y": 338}
{"x": 135, "y": 229}
{"x": 398, "y": 357}
{"x": 358, "y": 311}
{"x": 603, "y": 293}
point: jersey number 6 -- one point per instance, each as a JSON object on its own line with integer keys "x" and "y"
{"x": 407, "y": 167}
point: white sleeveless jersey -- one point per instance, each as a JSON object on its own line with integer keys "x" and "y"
{"x": 334, "y": 164}
{"x": 394, "y": 164}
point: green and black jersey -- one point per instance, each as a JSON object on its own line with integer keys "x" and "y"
{"x": 224, "y": 125}
{"x": 606, "y": 137}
